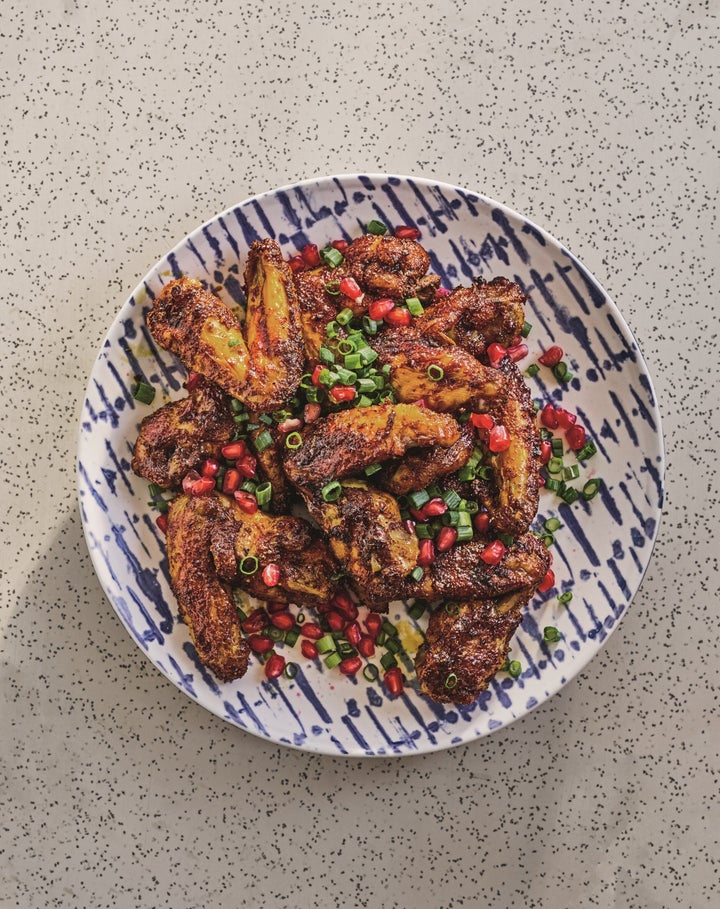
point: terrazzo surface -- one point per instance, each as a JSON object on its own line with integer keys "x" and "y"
{"x": 124, "y": 125}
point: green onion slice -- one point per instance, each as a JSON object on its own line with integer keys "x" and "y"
{"x": 591, "y": 489}
{"x": 371, "y": 672}
{"x": 344, "y": 316}
{"x": 333, "y": 288}
{"x": 435, "y": 372}
{"x": 263, "y": 493}
{"x": 291, "y": 670}
{"x": 331, "y": 256}
{"x": 263, "y": 441}
{"x": 451, "y": 681}
{"x": 144, "y": 393}
{"x": 293, "y": 440}
{"x": 376, "y": 227}
{"x": 249, "y": 565}
{"x": 332, "y": 491}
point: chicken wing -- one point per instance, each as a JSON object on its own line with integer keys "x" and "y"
{"x": 181, "y": 434}
{"x": 387, "y": 266}
{"x": 317, "y": 306}
{"x": 466, "y": 643}
{"x": 419, "y": 469}
{"x": 260, "y": 362}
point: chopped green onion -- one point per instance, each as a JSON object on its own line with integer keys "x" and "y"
{"x": 547, "y": 539}
{"x": 143, "y": 393}
{"x": 415, "y": 306}
{"x": 376, "y": 227}
{"x": 333, "y": 660}
{"x": 587, "y": 451}
{"x": 292, "y": 636}
{"x": 570, "y": 495}
{"x": 333, "y": 288}
{"x": 306, "y": 381}
{"x": 344, "y": 316}
{"x": 236, "y": 406}
{"x": 393, "y": 645}
{"x": 532, "y": 370}
{"x": 552, "y": 524}
{"x": 266, "y": 419}
{"x": 332, "y": 491}
{"x": 418, "y": 499}
{"x": 565, "y": 598}
{"x": 389, "y": 628}
{"x": 367, "y": 356}
{"x": 249, "y": 486}
{"x": 484, "y": 472}
{"x": 591, "y": 489}
{"x": 552, "y": 484}
{"x": 464, "y": 533}
{"x": 556, "y": 445}
{"x": 551, "y": 634}
{"x": 525, "y": 330}
{"x": 452, "y": 608}
{"x": 248, "y": 565}
{"x": 328, "y": 377}
{"x": 515, "y": 668}
{"x": 417, "y": 609}
{"x": 466, "y": 474}
{"x": 423, "y": 532}
{"x": 233, "y": 342}
{"x": 435, "y": 372}
{"x": 546, "y": 435}
{"x": 571, "y": 473}
{"x": 331, "y": 256}
{"x": 346, "y": 346}
{"x": 417, "y": 574}
{"x": 263, "y": 493}
{"x": 325, "y": 644}
{"x": 381, "y": 639}
{"x": 472, "y": 507}
{"x": 388, "y": 661}
{"x": 291, "y": 669}
{"x": 346, "y": 376}
{"x": 293, "y": 440}
{"x": 364, "y": 401}
{"x": 371, "y": 672}
{"x": 451, "y": 498}
{"x": 370, "y": 326}
{"x": 451, "y": 681}
{"x": 331, "y": 329}
{"x": 372, "y": 469}
{"x": 555, "y": 465}
{"x": 434, "y": 491}
{"x": 366, "y": 385}
{"x": 275, "y": 633}
{"x": 352, "y": 361}
{"x": 263, "y": 441}
{"x": 327, "y": 356}
{"x": 300, "y": 618}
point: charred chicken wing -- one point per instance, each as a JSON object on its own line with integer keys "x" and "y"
{"x": 387, "y": 266}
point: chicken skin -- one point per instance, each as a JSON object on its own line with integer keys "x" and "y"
{"x": 259, "y": 362}
{"x": 419, "y": 469}
{"x": 387, "y": 266}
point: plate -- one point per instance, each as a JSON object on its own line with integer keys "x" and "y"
{"x": 601, "y": 552}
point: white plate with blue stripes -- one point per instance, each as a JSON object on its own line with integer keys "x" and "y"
{"x": 601, "y": 551}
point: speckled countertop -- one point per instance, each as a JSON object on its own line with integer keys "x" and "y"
{"x": 123, "y": 126}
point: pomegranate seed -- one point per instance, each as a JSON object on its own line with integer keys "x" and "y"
{"x": 545, "y": 451}
{"x": 344, "y": 605}
{"x": 335, "y": 620}
{"x": 350, "y": 665}
{"x": 492, "y": 554}
{"x": 420, "y": 402}
{"x": 541, "y": 480}
{"x": 393, "y": 681}
{"x": 427, "y": 553}
{"x": 282, "y": 620}
{"x": 246, "y": 501}
{"x": 311, "y": 630}
{"x": 417, "y": 513}
{"x": 274, "y": 606}
{"x": 309, "y": 650}
{"x": 342, "y": 393}
{"x": 260, "y": 643}
{"x": 400, "y": 317}
{"x": 366, "y": 646}
{"x": 496, "y": 354}
{"x": 162, "y": 522}
{"x": 409, "y": 525}
{"x": 231, "y": 480}
{"x": 311, "y": 412}
{"x": 378, "y": 309}
{"x": 517, "y": 352}
{"x": 310, "y": 254}
{"x": 547, "y": 582}
{"x": 434, "y": 508}
{"x": 445, "y": 539}
{"x": 210, "y": 467}
{"x": 404, "y": 232}
{"x": 576, "y": 437}
{"x": 548, "y": 417}
{"x": 203, "y": 485}
{"x": 552, "y": 356}
{"x": 315, "y": 377}
{"x": 351, "y": 288}
{"x": 255, "y": 622}
{"x": 275, "y": 666}
{"x": 565, "y": 418}
{"x": 373, "y": 623}
{"x": 290, "y": 425}
{"x": 271, "y": 575}
{"x": 482, "y": 420}
{"x": 247, "y": 466}
{"x": 297, "y": 263}
{"x": 481, "y": 522}
{"x": 353, "y": 633}
{"x": 340, "y": 245}
{"x": 441, "y": 292}
{"x": 190, "y": 477}
{"x": 515, "y": 341}
{"x": 499, "y": 439}
{"x": 234, "y": 450}
{"x": 191, "y": 381}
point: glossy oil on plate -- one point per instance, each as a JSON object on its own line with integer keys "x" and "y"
{"x": 601, "y": 551}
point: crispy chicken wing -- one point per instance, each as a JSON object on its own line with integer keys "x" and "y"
{"x": 477, "y": 316}
{"x": 317, "y": 306}
{"x": 346, "y": 442}
{"x": 387, "y": 266}
{"x": 466, "y": 645}
{"x": 260, "y": 362}
{"x": 181, "y": 434}
{"x": 420, "y": 468}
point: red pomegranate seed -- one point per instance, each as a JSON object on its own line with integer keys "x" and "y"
{"x": 315, "y": 377}
{"x": 496, "y": 354}
{"x": 565, "y": 418}
{"x": 366, "y": 646}
{"x": 311, "y": 630}
{"x": 342, "y": 393}
{"x": 351, "y": 288}
{"x": 290, "y": 425}
{"x": 420, "y": 402}
{"x": 547, "y": 582}
{"x": 441, "y": 292}
{"x": 552, "y": 356}
{"x": 297, "y": 263}
{"x": 162, "y": 522}
{"x": 445, "y": 539}
{"x": 274, "y": 606}
{"x": 481, "y": 522}
{"x": 545, "y": 451}
{"x": 353, "y": 633}
{"x": 482, "y": 420}
{"x": 378, "y": 309}
{"x": 434, "y": 508}
{"x": 492, "y": 554}
{"x": 210, "y": 467}
{"x": 340, "y": 245}
{"x": 541, "y": 480}
{"x": 246, "y": 501}
{"x": 195, "y": 485}
{"x": 517, "y": 352}
{"x": 310, "y": 254}
{"x": 311, "y": 412}
{"x": 393, "y": 681}
{"x": 260, "y": 643}
{"x": 271, "y": 575}
{"x": 373, "y": 623}
{"x": 255, "y": 622}
{"x": 344, "y": 605}
{"x": 247, "y": 466}
{"x": 409, "y": 525}
{"x": 191, "y": 381}
{"x": 576, "y": 436}
{"x": 427, "y": 553}
{"x": 350, "y": 665}
{"x": 275, "y": 666}
{"x": 399, "y": 317}
{"x": 548, "y": 417}
{"x": 499, "y": 439}
{"x": 188, "y": 480}
{"x": 404, "y": 232}
{"x": 234, "y": 450}
{"x": 335, "y": 620}
{"x": 231, "y": 480}
{"x": 309, "y": 650}
{"x": 282, "y": 620}
{"x": 417, "y": 513}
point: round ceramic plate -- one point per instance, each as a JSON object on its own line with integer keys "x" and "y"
{"x": 600, "y": 553}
